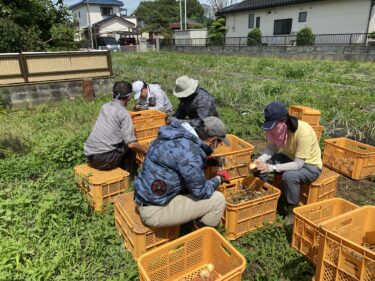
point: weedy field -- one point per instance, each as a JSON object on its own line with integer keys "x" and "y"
{"x": 47, "y": 229}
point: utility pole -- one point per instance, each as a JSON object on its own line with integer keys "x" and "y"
{"x": 180, "y": 14}
{"x": 89, "y": 20}
{"x": 185, "y": 16}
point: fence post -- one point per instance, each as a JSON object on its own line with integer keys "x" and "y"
{"x": 284, "y": 40}
{"x": 109, "y": 62}
{"x": 23, "y": 67}
{"x": 350, "y": 39}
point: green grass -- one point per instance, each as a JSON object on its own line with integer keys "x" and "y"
{"x": 47, "y": 229}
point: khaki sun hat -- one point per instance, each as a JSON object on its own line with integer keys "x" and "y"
{"x": 214, "y": 127}
{"x": 185, "y": 86}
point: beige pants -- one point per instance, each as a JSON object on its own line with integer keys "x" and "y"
{"x": 185, "y": 208}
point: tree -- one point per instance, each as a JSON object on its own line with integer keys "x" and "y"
{"x": 218, "y": 4}
{"x": 157, "y": 15}
{"x": 254, "y": 37}
{"x": 305, "y": 37}
{"x": 217, "y": 31}
{"x": 35, "y": 25}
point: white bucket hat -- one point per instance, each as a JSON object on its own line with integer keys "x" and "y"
{"x": 137, "y": 88}
{"x": 185, "y": 86}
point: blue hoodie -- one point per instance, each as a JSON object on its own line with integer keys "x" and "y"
{"x": 174, "y": 164}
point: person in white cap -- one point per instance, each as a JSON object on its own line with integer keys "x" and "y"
{"x": 195, "y": 102}
{"x": 151, "y": 96}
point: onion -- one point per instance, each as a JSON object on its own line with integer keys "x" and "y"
{"x": 204, "y": 274}
{"x": 210, "y": 268}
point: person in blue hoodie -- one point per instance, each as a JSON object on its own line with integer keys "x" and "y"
{"x": 171, "y": 188}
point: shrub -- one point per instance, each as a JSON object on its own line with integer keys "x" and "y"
{"x": 217, "y": 31}
{"x": 254, "y": 37}
{"x": 305, "y": 37}
{"x": 371, "y": 35}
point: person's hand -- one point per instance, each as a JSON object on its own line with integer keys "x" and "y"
{"x": 224, "y": 176}
{"x": 171, "y": 120}
{"x": 140, "y": 107}
{"x": 262, "y": 166}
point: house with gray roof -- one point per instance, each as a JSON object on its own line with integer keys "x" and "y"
{"x": 287, "y": 17}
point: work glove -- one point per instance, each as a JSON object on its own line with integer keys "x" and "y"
{"x": 215, "y": 161}
{"x": 224, "y": 176}
{"x": 140, "y": 107}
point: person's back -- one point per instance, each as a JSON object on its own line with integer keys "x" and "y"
{"x": 174, "y": 156}
{"x": 195, "y": 102}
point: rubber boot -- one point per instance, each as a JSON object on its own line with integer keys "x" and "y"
{"x": 289, "y": 219}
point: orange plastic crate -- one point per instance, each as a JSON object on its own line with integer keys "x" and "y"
{"x": 305, "y": 113}
{"x": 318, "y": 129}
{"x": 242, "y": 218}
{"x": 237, "y": 158}
{"x": 351, "y": 158}
{"x": 321, "y": 189}
{"x": 186, "y": 256}
{"x": 146, "y": 123}
{"x": 146, "y": 143}
{"x": 344, "y": 252}
{"x": 101, "y": 186}
{"x": 138, "y": 238}
{"x": 306, "y": 235}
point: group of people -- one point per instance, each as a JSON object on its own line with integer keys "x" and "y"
{"x": 171, "y": 188}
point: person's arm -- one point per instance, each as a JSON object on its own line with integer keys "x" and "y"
{"x": 268, "y": 152}
{"x": 159, "y": 100}
{"x": 192, "y": 173}
{"x": 137, "y": 147}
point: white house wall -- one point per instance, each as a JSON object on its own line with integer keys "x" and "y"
{"x": 328, "y": 17}
{"x": 95, "y": 14}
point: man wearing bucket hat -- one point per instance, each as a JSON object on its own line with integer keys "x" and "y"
{"x": 171, "y": 188}
{"x": 108, "y": 144}
{"x": 195, "y": 102}
{"x": 293, "y": 151}
{"x": 151, "y": 96}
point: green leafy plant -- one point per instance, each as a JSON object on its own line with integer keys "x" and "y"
{"x": 217, "y": 31}
{"x": 254, "y": 37}
{"x": 305, "y": 37}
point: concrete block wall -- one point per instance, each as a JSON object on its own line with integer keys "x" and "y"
{"x": 36, "y": 93}
{"x": 359, "y": 53}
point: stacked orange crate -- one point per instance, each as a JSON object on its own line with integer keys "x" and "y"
{"x": 309, "y": 115}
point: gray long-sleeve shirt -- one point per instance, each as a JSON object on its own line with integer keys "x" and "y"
{"x": 156, "y": 99}
{"x": 113, "y": 126}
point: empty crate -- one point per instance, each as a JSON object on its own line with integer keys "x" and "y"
{"x": 247, "y": 215}
{"x": 351, "y": 158}
{"x": 318, "y": 129}
{"x": 138, "y": 238}
{"x": 146, "y": 123}
{"x": 305, "y": 113}
{"x": 306, "y": 235}
{"x": 187, "y": 256}
{"x": 237, "y": 158}
{"x": 146, "y": 143}
{"x": 101, "y": 186}
{"x": 347, "y": 250}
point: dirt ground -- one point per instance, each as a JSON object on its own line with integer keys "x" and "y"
{"x": 361, "y": 192}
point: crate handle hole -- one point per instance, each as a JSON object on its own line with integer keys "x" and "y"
{"x": 226, "y": 250}
{"x": 347, "y": 222}
{"x": 176, "y": 248}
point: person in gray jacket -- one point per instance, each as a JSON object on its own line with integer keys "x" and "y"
{"x": 112, "y": 139}
{"x": 151, "y": 96}
{"x": 195, "y": 102}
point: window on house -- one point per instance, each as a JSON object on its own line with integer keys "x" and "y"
{"x": 79, "y": 14}
{"x": 106, "y": 11}
{"x": 251, "y": 20}
{"x": 257, "y": 24}
{"x": 282, "y": 26}
{"x": 302, "y": 17}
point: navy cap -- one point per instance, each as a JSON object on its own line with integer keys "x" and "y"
{"x": 273, "y": 113}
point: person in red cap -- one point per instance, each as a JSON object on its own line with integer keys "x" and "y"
{"x": 293, "y": 150}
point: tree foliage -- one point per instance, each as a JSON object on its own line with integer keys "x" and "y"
{"x": 217, "y": 31}
{"x": 254, "y": 37}
{"x": 157, "y": 15}
{"x": 305, "y": 37}
{"x": 35, "y": 25}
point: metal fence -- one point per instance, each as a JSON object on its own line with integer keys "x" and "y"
{"x": 52, "y": 66}
{"x": 278, "y": 40}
